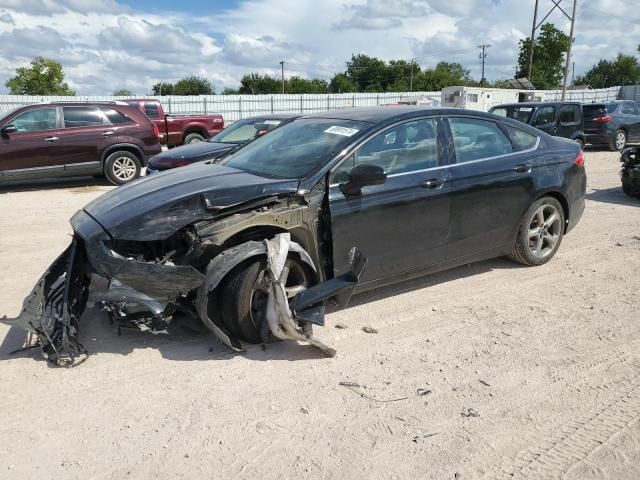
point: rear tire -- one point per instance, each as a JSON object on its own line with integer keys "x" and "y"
{"x": 122, "y": 167}
{"x": 540, "y": 233}
{"x": 193, "y": 138}
{"x": 619, "y": 141}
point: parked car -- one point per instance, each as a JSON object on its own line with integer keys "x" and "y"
{"x": 234, "y": 136}
{"x": 614, "y": 124}
{"x": 179, "y": 129}
{"x": 560, "y": 119}
{"x": 630, "y": 172}
{"x": 71, "y": 139}
{"x": 415, "y": 190}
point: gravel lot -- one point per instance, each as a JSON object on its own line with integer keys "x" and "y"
{"x": 547, "y": 357}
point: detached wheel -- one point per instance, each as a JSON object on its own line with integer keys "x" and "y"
{"x": 193, "y": 138}
{"x": 619, "y": 141}
{"x": 122, "y": 167}
{"x": 244, "y": 295}
{"x": 540, "y": 233}
{"x": 630, "y": 187}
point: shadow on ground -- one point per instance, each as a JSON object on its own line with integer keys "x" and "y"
{"x": 189, "y": 340}
{"x": 83, "y": 183}
{"x": 613, "y": 195}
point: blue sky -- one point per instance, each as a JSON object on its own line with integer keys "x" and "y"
{"x": 110, "y": 44}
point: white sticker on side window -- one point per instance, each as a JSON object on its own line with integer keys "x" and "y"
{"x": 272, "y": 122}
{"x": 344, "y": 131}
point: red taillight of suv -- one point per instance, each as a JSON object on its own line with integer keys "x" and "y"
{"x": 603, "y": 119}
{"x": 156, "y": 132}
{"x": 580, "y": 159}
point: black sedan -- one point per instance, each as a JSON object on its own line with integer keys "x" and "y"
{"x": 414, "y": 190}
{"x": 234, "y": 136}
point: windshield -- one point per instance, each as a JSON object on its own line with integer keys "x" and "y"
{"x": 522, "y": 114}
{"x": 244, "y": 131}
{"x": 295, "y": 149}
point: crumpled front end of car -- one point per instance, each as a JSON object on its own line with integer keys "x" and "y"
{"x": 142, "y": 284}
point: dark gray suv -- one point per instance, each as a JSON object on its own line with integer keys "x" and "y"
{"x": 614, "y": 124}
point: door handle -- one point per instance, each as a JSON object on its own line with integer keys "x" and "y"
{"x": 107, "y": 133}
{"x": 433, "y": 183}
{"x": 52, "y": 139}
{"x": 522, "y": 168}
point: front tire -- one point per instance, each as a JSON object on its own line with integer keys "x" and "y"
{"x": 193, "y": 138}
{"x": 122, "y": 167}
{"x": 245, "y": 296}
{"x": 540, "y": 233}
{"x": 619, "y": 141}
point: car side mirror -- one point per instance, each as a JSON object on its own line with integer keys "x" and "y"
{"x": 361, "y": 176}
{"x": 7, "y": 129}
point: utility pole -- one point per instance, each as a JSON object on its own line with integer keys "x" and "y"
{"x": 533, "y": 40}
{"x": 483, "y": 57}
{"x": 411, "y": 77}
{"x": 282, "y": 65}
{"x": 566, "y": 65}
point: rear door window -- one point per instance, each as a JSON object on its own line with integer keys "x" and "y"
{"x": 36, "y": 120}
{"x": 546, "y": 115}
{"x": 521, "y": 140}
{"x": 75, "y": 117}
{"x": 612, "y": 107}
{"x": 629, "y": 108}
{"x": 476, "y": 139}
{"x": 115, "y": 117}
{"x": 569, "y": 115}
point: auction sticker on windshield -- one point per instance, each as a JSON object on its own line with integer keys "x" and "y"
{"x": 344, "y": 131}
{"x": 272, "y": 122}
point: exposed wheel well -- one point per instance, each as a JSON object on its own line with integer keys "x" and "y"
{"x": 259, "y": 233}
{"x": 563, "y": 201}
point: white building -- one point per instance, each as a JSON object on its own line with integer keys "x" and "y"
{"x": 479, "y": 98}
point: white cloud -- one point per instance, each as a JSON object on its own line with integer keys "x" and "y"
{"x": 104, "y": 45}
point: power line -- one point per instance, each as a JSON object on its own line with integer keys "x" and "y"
{"x": 611, "y": 15}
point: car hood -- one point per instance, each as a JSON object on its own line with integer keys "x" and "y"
{"x": 194, "y": 151}
{"x": 154, "y": 207}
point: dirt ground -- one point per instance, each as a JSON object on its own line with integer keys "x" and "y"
{"x": 547, "y": 358}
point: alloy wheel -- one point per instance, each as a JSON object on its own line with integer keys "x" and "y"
{"x": 545, "y": 229}
{"x": 621, "y": 140}
{"x": 124, "y": 168}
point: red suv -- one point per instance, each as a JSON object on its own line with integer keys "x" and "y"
{"x": 70, "y": 139}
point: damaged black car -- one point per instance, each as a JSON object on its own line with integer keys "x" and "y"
{"x": 255, "y": 244}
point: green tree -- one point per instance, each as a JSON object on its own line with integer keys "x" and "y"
{"x": 163, "y": 88}
{"x": 624, "y": 70}
{"x": 256, "y": 84}
{"x": 444, "y": 74}
{"x": 193, "y": 85}
{"x": 341, "y": 83}
{"x": 548, "y": 57}
{"x": 44, "y": 77}
{"x": 122, "y": 92}
{"x": 368, "y": 73}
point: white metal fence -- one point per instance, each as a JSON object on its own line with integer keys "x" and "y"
{"x": 236, "y": 107}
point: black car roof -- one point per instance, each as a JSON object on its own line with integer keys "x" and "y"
{"x": 535, "y": 104}
{"x": 391, "y": 113}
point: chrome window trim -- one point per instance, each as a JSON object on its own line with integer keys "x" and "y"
{"x": 529, "y": 150}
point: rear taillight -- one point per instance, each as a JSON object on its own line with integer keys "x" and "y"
{"x": 580, "y": 159}
{"x": 156, "y": 132}
{"x": 604, "y": 119}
